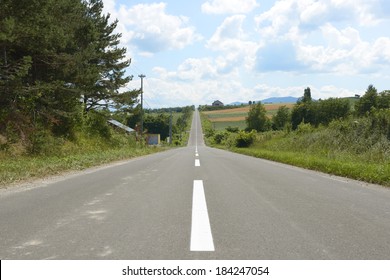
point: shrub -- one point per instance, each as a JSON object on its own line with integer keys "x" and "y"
{"x": 42, "y": 142}
{"x": 245, "y": 139}
{"x": 97, "y": 124}
{"x": 380, "y": 122}
{"x": 232, "y": 129}
{"x": 209, "y": 132}
{"x": 220, "y": 137}
{"x": 305, "y": 128}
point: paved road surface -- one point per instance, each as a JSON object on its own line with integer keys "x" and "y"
{"x": 196, "y": 203}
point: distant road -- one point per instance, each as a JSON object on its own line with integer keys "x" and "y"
{"x": 196, "y": 203}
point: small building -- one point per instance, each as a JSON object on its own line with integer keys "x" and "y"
{"x": 153, "y": 139}
{"x": 217, "y": 103}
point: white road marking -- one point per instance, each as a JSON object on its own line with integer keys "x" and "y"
{"x": 196, "y": 154}
{"x": 197, "y": 162}
{"x": 201, "y": 237}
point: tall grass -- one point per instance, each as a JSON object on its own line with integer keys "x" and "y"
{"x": 63, "y": 155}
{"x": 354, "y": 148}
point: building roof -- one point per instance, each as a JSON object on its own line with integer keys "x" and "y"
{"x": 120, "y": 125}
{"x": 217, "y": 102}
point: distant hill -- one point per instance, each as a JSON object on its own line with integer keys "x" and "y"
{"x": 286, "y": 99}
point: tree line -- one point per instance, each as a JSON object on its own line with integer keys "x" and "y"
{"x": 60, "y": 65}
{"x": 316, "y": 113}
{"x": 364, "y": 121}
{"x": 157, "y": 121}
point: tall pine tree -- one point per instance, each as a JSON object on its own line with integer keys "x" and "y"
{"x": 57, "y": 57}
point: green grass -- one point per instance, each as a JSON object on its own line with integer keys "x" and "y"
{"x": 175, "y": 115}
{"x": 322, "y": 150}
{"x": 70, "y": 157}
{"x": 229, "y": 115}
{"x": 345, "y": 166}
{"x": 223, "y": 125}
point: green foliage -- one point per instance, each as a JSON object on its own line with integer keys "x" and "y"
{"x": 67, "y": 155}
{"x": 157, "y": 125}
{"x": 58, "y": 57}
{"x": 281, "y": 118}
{"x": 235, "y": 140}
{"x": 368, "y": 101}
{"x": 183, "y": 121}
{"x": 204, "y": 108}
{"x": 232, "y": 129}
{"x": 331, "y": 109}
{"x": 357, "y": 148}
{"x": 306, "y": 96}
{"x": 220, "y": 137}
{"x": 170, "y": 109}
{"x": 320, "y": 112}
{"x": 384, "y": 100}
{"x": 245, "y": 139}
{"x": 302, "y": 113}
{"x": 257, "y": 118}
{"x": 96, "y": 124}
{"x": 304, "y": 128}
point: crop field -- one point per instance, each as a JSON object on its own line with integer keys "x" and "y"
{"x": 236, "y": 117}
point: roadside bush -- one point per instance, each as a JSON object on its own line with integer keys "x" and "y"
{"x": 245, "y": 139}
{"x": 220, "y": 137}
{"x": 209, "y": 132}
{"x": 96, "y": 123}
{"x": 42, "y": 142}
{"x": 232, "y": 129}
{"x": 380, "y": 122}
{"x": 305, "y": 128}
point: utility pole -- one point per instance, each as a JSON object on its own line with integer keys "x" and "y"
{"x": 170, "y": 130}
{"x": 142, "y": 76}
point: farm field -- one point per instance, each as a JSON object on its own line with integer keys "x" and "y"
{"x": 222, "y": 119}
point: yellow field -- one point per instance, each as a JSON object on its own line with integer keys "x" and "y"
{"x": 240, "y": 114}
{"x": 228, "y": 119}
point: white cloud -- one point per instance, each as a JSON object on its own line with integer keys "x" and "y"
{"x": 286, "y": 28}
{"x": 345, "y": 52}
{"x": 150, "y": 29}
{"x": 229, "y": 6}
{"x": 346, "y": 38}
{"x": 196, "y": 69}
{"x": 197, "y": 81}
{"x": 231, "y": 39}
{"x": 309, "y": 15}
{"x": 327, "y": 42}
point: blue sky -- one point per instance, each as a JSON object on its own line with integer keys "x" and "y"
{"x": 194, "y": 52}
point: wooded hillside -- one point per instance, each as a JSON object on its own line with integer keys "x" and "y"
{"x": 60, "y": 63}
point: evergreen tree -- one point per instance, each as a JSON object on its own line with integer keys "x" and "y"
{"x": 304, "y": 110}
{"x": 53, "y": 55}
{"x": 306, "y": 96}
{"x": 103, "y": 75}
{"x": 368, "y": 101}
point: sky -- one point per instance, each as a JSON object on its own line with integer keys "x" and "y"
{"x": 198, "y": 51}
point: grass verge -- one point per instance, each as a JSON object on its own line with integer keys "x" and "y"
{"x": 378, "y": 173}
{"x": 321, "y": 150}
{"x": 20, "y": 168}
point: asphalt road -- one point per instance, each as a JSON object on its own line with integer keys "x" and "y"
{"x": 196, "y": 203}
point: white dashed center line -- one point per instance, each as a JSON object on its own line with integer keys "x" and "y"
{"x": 197, "y": 162}
{"x": 201, "y": 237}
